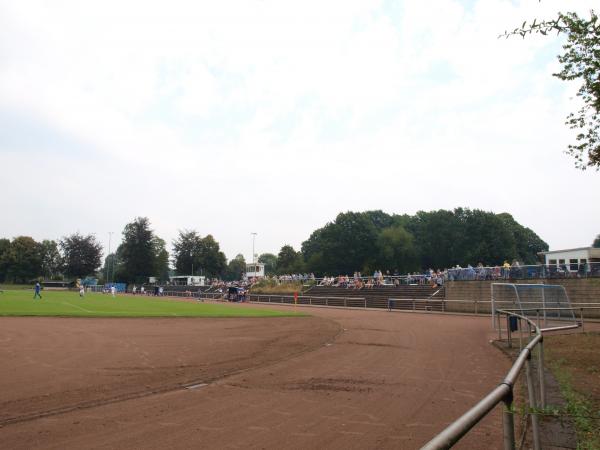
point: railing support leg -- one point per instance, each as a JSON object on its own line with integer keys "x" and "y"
{"x": 535, "y": 430}
{"x": 541, "y": 370}
{"x": 520, "y": 335}
{"x": 508, "y": 424}
{"x": 499, "y": 327}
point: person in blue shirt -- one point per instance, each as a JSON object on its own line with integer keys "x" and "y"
{"x": 37, "y": 290}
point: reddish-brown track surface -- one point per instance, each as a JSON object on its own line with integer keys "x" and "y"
{"x": 339, "y": 379}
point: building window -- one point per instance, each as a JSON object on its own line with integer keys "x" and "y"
{"x": 561, "y": 261}
{"x": 573, "y": 264}
{"x": 552, "y": 262}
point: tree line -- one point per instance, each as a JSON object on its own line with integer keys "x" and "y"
{"x": 354, "y": 241}
{"x": 371, "y": 240}
{"x": 140, "y": 255}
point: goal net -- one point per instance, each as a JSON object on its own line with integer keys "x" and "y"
{"x": 549, "y": 304}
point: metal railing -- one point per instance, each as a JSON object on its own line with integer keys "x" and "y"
{"x": 470, "y": 273}
{"x": 416, "y": 304}
{"x": 503, "y": 393}
{"x": 311, "y": 300}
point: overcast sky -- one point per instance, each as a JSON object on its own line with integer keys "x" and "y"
{"x": 232, "y": 117}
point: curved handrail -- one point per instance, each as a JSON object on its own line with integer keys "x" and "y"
{"x": 502, "y": 393}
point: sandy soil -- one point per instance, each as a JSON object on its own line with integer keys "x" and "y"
{"x": 339, "y": 379}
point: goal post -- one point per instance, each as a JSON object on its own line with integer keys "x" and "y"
{"x": 547, "y": 303}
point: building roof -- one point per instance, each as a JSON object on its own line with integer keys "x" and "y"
{"x": 593, "y": 252}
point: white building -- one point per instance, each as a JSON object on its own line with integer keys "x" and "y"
{"x": 187, "y": 280}
{"x": 571, "y": 258}
{"x": 255, "y": 270}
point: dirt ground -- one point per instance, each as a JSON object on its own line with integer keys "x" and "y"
{"x": 339, "y": 379}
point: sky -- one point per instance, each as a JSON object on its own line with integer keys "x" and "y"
{"x": 272, "y": 117}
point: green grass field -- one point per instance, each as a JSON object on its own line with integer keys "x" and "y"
{"x": 64, "y": 303}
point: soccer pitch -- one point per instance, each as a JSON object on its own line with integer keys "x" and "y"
{"x": 65, "y": 303}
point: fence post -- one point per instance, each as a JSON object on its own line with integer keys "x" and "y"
{"x": 541, "y": 370}
{"x": 508, "y": 424}
{"x": 581, "y": 312}
{"x": 532, "y": 405}
{"x": 499, "y": 326}
{"x": 326, "y": 301}
{"x": 365, "y": 302}
{"x": 345, "y": 302}
{"x": 508, "y": 331}
{"x": 520, "y": 334}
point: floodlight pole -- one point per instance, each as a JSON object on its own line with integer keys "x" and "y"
{"x": 253, "y": 254}
{"x": 192, "y": 258}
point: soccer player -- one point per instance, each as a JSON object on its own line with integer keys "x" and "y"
{"x": 37, "y": 290}
{"x": 81, "y": 291}
{"x": 113, "y": 289}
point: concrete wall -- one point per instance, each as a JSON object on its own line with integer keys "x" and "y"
{"x": 475, "y": 296}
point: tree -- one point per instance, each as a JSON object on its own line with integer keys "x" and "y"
{"x": 580, "y": 61}
{"x": 203, "y": 253}
{"x": 289, "y": 261}
{"x": 596, "y": 243}
{"x": 23, "y": 260}
{"x": 343, "y": 246}
{"x": 236, "y": 268}
{"x": 396, "y": 250}
{"x": 111, "y": 269}
{"x": 212, "y": 259}
{"x": 270, "y": 262}
{"x": 51, "y": 259}
{"x": 4, "y": 258}
{"x": 161, "y": 269}
{"x": 439, "y": 238}
{"x": 486, "y": 238}
{"x": 527, "y": 243}
{"x": 186, "y": 252}
{"x": 137, "y": 253}
{"x": 81, "y": 255}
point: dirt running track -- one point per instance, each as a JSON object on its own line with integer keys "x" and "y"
{"x": 339, "y": 379}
